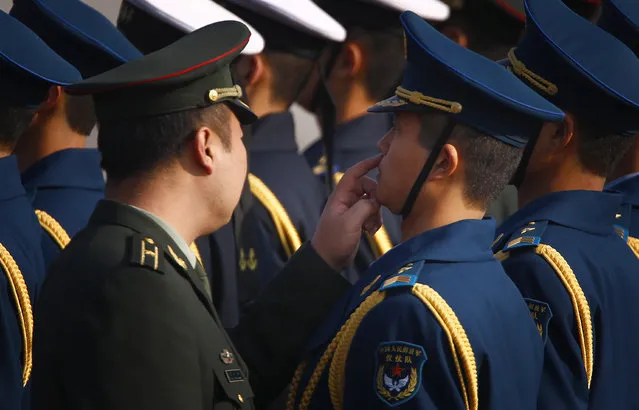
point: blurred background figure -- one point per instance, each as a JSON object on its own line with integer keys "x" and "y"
{"x": 60, "y": 174}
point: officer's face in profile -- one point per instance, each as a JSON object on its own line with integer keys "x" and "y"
{"x": 402, "y": 159}
{"x": 224, "y": 157}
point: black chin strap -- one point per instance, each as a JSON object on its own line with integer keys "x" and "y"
{"x": 520, "y": 173}
{"x": 428, "y": 166}
{"x": 324, "y": 104}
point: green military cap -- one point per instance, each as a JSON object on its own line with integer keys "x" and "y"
{"x": 191, "y": 73}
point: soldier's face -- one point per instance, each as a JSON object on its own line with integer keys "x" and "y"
{"x": 403, "y": 157}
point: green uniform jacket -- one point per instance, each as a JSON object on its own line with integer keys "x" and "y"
{"x": 123, "y": 322}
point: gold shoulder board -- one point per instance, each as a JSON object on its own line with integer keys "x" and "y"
{"x": 23, "y": 306}
{"x": 53, "y": 228}
{"x": 289, "y": 237}
{"x": 380, "y": 243}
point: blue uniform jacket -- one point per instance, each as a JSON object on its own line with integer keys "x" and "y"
{"x": 564, "y": 255}
{"x": 355, "y": 141}
{"x": 274, "y": 159}
{"x": 66, "y": 185}
{"x": 20, "y": 237}
{"x": 440, "y": 289}
{"x": 629, "y": 186}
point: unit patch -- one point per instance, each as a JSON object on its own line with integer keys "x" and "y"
{"x": 541, "y": 314}
{"x": 399, "y": 371}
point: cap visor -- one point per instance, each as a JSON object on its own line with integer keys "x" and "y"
{"x": 242, "y": 111}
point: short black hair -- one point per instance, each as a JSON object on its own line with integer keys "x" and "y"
{"x": 14, "y": 122}
{"x": 80, "y": 113}
{"x": 600, "y": 150}
{"x": 385, "y": 61}
{"x": 133, "y": 147}
{"x": 489, "y": 164}
{"x": 290, "y": 72}
{"x": 491, "y": 32}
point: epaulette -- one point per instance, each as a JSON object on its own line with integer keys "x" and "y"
{"x": 406, "y": 276}
{"x": 622, "y": 221}
{"x": 145, "y": 252}
{"x": 528, "y": 236}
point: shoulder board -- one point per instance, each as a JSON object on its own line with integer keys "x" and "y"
{"x": 145, "y": 252}
{"x": 406, "y": 276}
{"x": 622, "y": 221}
{"x": 528, "y": 236}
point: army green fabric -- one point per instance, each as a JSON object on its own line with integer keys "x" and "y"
{"x": 119, "y": 329}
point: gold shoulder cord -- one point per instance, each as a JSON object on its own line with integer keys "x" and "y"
{"x": 501, "y": 256}
{"x": 460, "y": 347}
{"x": 345, "y": 332}
{"x": 289, "y": 237}
{"x": 380, "y": 242}
{"x": 53, "y": 228}
{"x": 23, "y": 305}
{"x": 579, "y": 303}
{"x": 634, "y": 245}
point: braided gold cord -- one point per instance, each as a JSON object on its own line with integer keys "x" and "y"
{"x": 418, "y": 98}
{"x": 579, "y": 303}
{"x": 501, "y": 256}
{"x": 380, "y": 242}
{"x": 327, "y": 356}
{"x": 460, "y": 346}
{"x": 337, "y": 371}
{"x": 23, "y": 306}
{"x": 634, "y": 245}
{"x": 289, "y": 237}
{"x": 520, "y": 69}
{"x": 53, "y": 228}
{"x": 295, "y": 385}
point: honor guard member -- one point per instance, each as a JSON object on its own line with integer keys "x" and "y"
{"x": 357, "y": 73}
{"x": 62, "y": 177}
{"x": 28, "y": 69}
{"x": 435, "y": 323}
{"x": 561, "y": 248}
{"x": 621, "y": 19}
{"x": 289, "y": 195}
{"x": 125, "y": 319}
{"x": 233, "y": 255}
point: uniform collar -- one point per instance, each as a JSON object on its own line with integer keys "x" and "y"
{"x": 589, "y": 211}
{"x": 362, "y": 132}
{"x": 274, "y": 132}
{"x": 628, "y": 185}
{"x": 10, "y": 184}
{"x": 68, "y": 168}
{"x": 464, "y": 241}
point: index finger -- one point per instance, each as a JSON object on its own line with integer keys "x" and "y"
{"x": 352, "y": 176}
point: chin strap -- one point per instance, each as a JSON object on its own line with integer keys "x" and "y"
{"x": 428, "y": 166}
{"x": 520, "y": 173}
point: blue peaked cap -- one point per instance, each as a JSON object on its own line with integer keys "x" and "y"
{"x": 578, "y": 66}
{"x": 28, "y": 67}
{"x": 77, "y": 32}
{"x": 444, "y": 76}
{"x": 621, "y": 19}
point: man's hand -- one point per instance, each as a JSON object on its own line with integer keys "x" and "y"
{"x": 351, "y": 208}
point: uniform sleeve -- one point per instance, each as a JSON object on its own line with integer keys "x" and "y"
{"x": 273, "y": 334}
{"x": 563, "y": 363}
{"x": 399, "y": 358}
{"x": 135, "y": 340}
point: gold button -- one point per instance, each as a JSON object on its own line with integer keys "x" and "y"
{"x": 213, "y": 95}
{"x": 240, "y": 398}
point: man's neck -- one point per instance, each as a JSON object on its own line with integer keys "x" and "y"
{"x": 426, "y": 219}
{"x": 355, "y": 105}
{"x": 558, "y": 182}
{"x": 629, "y": 164}
{"x": 34, "y": 146}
